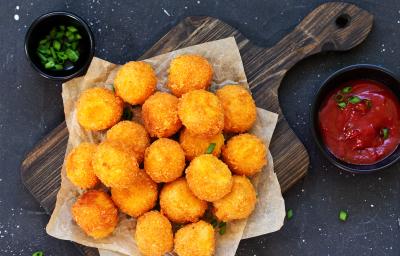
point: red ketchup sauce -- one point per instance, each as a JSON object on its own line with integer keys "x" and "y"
{"x": 360, "y": 122}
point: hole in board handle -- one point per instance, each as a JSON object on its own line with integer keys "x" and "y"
{"x": 343, "y": 20}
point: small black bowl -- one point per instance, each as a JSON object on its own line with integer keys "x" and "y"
{"x": 355, "y": 72}
{"x": 41, "y": 27}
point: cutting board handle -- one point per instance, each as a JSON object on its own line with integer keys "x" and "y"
{"x": 330, "y": 27}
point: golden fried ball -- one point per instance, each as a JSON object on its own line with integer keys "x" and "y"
{"x": 115, "y": 165}
{"x": 154, "y": 235}
{"x": 160, "y": 115}
{"x": 245, "y": 154}
{"x": 135, "y": 82}
{"x": 239, "y": 203}
{"x": 239, "y": 108}
{"x": 179, "y": 204}
{"x": 188, "y": 73}
{"x": 164, "y": 160}
{"x": 79, "y": 166}
{"x": 139, "y": 198}
{"x": 195, "y": 145}
{"x": 95, "y": 213}
{"x": 196, "y": 239}
{"x": 209, "y": 178}
{"x": 201, "y": 113}
{"x": 132, "y": 134}
{"x": 98, "y": 109}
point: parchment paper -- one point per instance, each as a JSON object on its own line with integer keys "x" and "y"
{"x": 225, "y": 58}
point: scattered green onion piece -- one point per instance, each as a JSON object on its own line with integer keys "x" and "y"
{"x": 72, "y": 29}
{"x": 214, "y": 223}
{"x": 62, "y": 27}
{"x": 74, "y": 45}
{"x": 385, "y": 133}
{"x": 347, "y": 89}
{"x": 59, "y": 34}
{"x": 127, "y": 114}
{"x": 57, "y": 45}
{"x": 72, "y": 55}
{"x": 78, "y": 36}
{"x": 289, "y": 214}
{"x": 354, "y": 99}
{"x": 43, "y": 41}
{"x": 222, "y": 228}
{"x": 342, "y": 105}
{"x": 53, "y": 53}
{"x": 38, "y": 253}
{"x": 42, "y": 57}
{"x": 343, "y": 215}
{"x": 53, "y": 33}
{"x": 339, "y": 97}
{"x": 211, "y": 148}
{"x": 112, "y": 88}
{"x": 49, "y": 64}
{"x": 58, "y": 67}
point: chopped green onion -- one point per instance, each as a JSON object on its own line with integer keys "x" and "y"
{"x": 42, "y": 41}
{"x": 347, "y": 89}
{"x": 385, "y": 133}
{"x": 343, "y": 215}
{"x": 53, "y": 53}
{"x": 72, "y": 55}
{"x": 59, "y": 34}
{"x": 38, "y": 253}
{"x": 222, "y": 228}
{"x": 289, "y": 214}
{"x": 62, "y": 27}
{"x": 53, "y": 33}
{"x": 214, "y": 223}
{"x": 57, "y": 45}
{"x": 78, "y": 36}
{"x": 354, "y": 99}
{"x": 42, "y": 57}
{"x": 127, "y": 114}
{"x": 342, "y": 105}
{"x": 72, "y": 29}
{"x": 339, "y": 97}
{"x": 49, "y": 64}
{"x": 58, "y": 67}
{"x": 211, "y": 148}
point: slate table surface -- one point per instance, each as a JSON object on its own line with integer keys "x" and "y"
{"x": 31, "y": 106}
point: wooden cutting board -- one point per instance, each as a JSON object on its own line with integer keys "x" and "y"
{"x": 330, "y": 27}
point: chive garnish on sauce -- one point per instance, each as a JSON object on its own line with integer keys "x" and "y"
{"x": 354, "y": 99}
{"x": 385, "y": 133}
{"x": 222, "y": 228}
{"x": 347, "y": 89}
{"x": 339, "y": 97}
{"x": 342, "y": 105}
{"x": 210, "y": 148}
{"x": 343, "y": 215}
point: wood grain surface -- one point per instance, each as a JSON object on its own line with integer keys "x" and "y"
{"x": 330, "y": 27}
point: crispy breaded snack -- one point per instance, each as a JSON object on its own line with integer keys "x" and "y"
{"x": 245, "y": 154}
{"x": 98, "y": 109}
{"x": 160, "y": 115}
{"x": 201, "y": 113}
{"x": 195, "y": 145}
{"x": 196, "y": 239}
{"x": 179, "y": 204}
{"x": 154, "y": 235}
{"x": 209, "y": 178}
{"x": 239, "y": 203}
{"x": 133, "y": 135}
{"x": 95, "y": 213}
{"x": 135, "y": 82}
{"x": 239, "y": 108}
{"x": 188, "y": 73}
{"x": 164, "y": 160}
{"x": 79, "y": 166}
{"x": 139, "y": 198}
{"x": 115, "y": 165}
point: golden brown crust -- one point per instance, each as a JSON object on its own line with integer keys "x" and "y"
{"x": 95, "y": 213}
{"x": 164, "y": 160}
{"x": 188, "y": 73}
{"x": 239, "y": 108}
{"x": 179, "y": 204}
{"x": 115, "y": 165}
{"x": 154, "y": 235}
{"x": 79, "y": 167}
{"x": 139, "y": 198}
{"x": 201, "y": 113}
{"x": 160, "y": 115}
{"x": 209, "y": 178}
{"x": 245, "y": 154}
{"x": 131, "y": 134}
{"x": 195, "y": 145}
{"x": 239, "y": 203}
{"x": 196, "y": 239}
{"x": 98, "y": 109}
{"x": 135, "y": 82}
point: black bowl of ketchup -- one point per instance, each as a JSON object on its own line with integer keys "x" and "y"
{"x": 356, "y": 118}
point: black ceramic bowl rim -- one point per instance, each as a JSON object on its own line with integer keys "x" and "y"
{"x": 318, "y": 98}
{"x": 86, "y": 28}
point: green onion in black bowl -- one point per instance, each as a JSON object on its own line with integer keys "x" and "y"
{"x": 59, "y": 45}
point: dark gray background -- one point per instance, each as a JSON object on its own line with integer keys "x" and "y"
{"x": 31, "y": 106}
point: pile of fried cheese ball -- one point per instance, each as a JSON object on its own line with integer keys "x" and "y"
{"x": 176, "y": 168}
